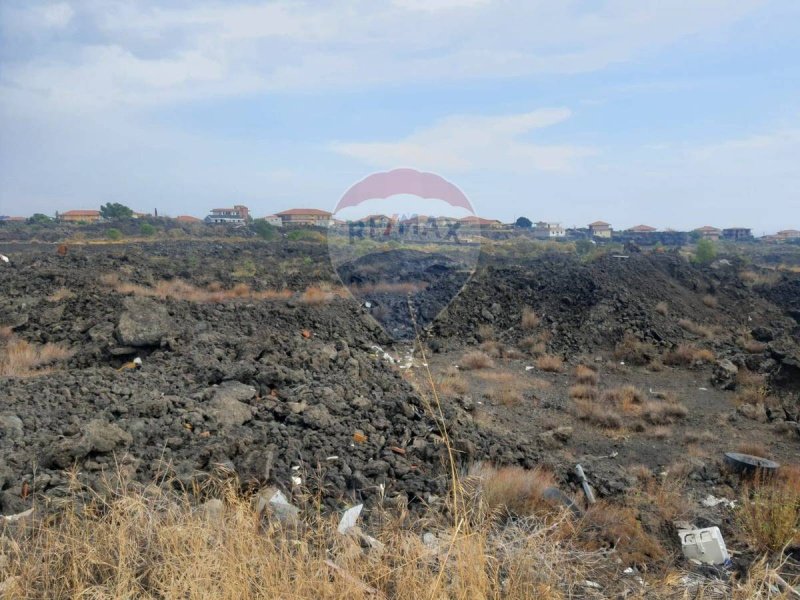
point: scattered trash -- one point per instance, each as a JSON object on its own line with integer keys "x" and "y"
{"x": 383, "y": 354}
{"x": 280, "y": 506}
{"x": 592, "y": 584}
{"x": 359, "y": 437}
{"x": 702, "y": 389}
{"x": 556, "y": 496}
{"x": 705, "y": 545}
{"x": 305, "y": 333}
{"x": 136, "y": 363}
{"x": 4, "y": 258}
{"x": 747, "y": 464}
{"x": 712, "y": 501}
{"x": 367, "y": 304}
{"x": 587, "y": 489}
{"x": 334, "y": 457}
{"x": 16, "y": 517}
{"x": 349, "y": 518}
{"x": 529, "y": 368}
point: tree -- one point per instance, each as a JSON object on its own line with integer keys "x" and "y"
{"x": 146, "y": 229}
{"x": 115, "y": 211}
{"x": 264, "y": 230}
{"x": 523, "y": 223}
{"x": 39, "y": 219}
{"x": 705, "y": 252}
{"x": 114, "y": 234}
{"x": 583, "y": 246}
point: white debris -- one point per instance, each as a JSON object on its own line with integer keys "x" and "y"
{"x": 297, "y": 480}
{"x": 349, "y": 518}
{"x": 137, "y": 361}
{"x": 711, "y": 501}
{"x": 4, "y": 258}
{"x": 334, "y": 457}
{"x": 383, "y": 354}
{"x": 16, "y": 517}
{"x": 705, "y": 545}
{"x": 528, "y": 368}
{"x": 702, "y": 389}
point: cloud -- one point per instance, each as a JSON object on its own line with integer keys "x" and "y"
{"x": 127, "y": 52}
{"x": 467, "y": 143}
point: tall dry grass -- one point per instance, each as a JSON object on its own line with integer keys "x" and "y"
{"x": 19, "y": 358}
{"x": 178, "y": 289}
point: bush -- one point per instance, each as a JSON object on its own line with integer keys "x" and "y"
{"x": 769, "y": 511}
{"x": 548, "y": 362}
{"x": 476, "y": 360}
{"x": 705, "y": 252}
{"x": 633, "y": 351}
{"x": 146, "y": 229}
{"x": 586, "y": 375}
{"x": 264, "y": 230}
{"x": 529, "y": 318}
{"x": 114, "y": 234}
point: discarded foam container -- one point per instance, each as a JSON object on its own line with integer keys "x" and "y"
{"x": 705, "y": 545}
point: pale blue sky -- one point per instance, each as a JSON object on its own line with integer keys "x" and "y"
{"x": 674, "y": 114}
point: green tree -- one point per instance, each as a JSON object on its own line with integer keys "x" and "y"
{"x": 523, "y": 223}
{"x": 114, "y": 234}
{"x": 146, "y": 229}
{"x": 583, "y": 246}
{"x": 39, "y": 219}
{"x": 115, "y": 211}
{"x": 705, "y": 252}
{"x": 264, "y": 230}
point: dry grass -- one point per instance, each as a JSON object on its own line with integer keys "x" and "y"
{"x": 316, "y": 296}
{"x": 452, "y": 384}
{"x": 485, "y": 333}
{"x": 754, "y": 395}
{"x": 751, "y": 346}
{"x": 662, "y": 308}
{"x": 633, "y": 351}
{"x": 177, "y": 289}
{"x": 400, "y": 289}
{"x": 753, "y": 448}
{"x": 597, "y": 414}
{"x": 687, "y": 355}
{"x": 703, "y": 331}
{"x": 60, "y": 295}
{"x": 710, "y": 301}
{"x": 583, "y": 392}
{"x": 586, "y": 375}
{"x": 618, "y": 527}
{"x": 626, "y": 398}
{"x": 476, "y": 360}
{"x": 514, "y": 490}
{"x": 769, "y": 511}
{"x": 153, "y": 543}
{"x": 19, "y": 358}
{"x": 746, "y": 378}
{"x": 550, "y": 363}
{"x": 530, "y": 320}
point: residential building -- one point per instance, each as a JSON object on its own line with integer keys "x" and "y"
{"x": 274, "y": 220}
{"x": 544, "y": 230}
{"x": 306, "y": 216}
{"x": 788, "y": 234}
{"x": 474, "y": 222}
{"x": 12, "y": 219}
{"x": 238, "y": 215}
{"x": 707, "y": 232}
{"x": 79, "y": 216}
{"x": 600, "y": 229}
{"x": 642, "y": 229}
{"x": 737, "y": 234}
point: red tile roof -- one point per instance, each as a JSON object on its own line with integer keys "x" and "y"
{"x": 642, "y": 229}
{"x": 599, "y": 224}
{"x": 81, "y": 213}
{"x": 304, "y": 212}
{"x": 707, "y": 229}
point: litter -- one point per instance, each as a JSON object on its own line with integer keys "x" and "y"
{"x": 349, "y": 518}
{"x": 297, "y": 480}
{"x": 705, "y": 545}
{"x": 702, "y": 389}
{"x": 587, "y": 489}
{"x": 712, "y": 501}
{"x": 334, "y": 457}
{"x": 528, "y": 368}
{"x": 16, "y": 517}
{"x": 4, "y": 258}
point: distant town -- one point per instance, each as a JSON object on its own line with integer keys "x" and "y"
{"x": 597, "y": 231}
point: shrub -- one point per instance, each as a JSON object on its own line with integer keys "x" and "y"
{"x": 633, "y": 351}
{"x": 705, "y": 252}
{"x": 662, "y": 308}
{"x": 710, "y": 301}
{"x": 19, "y": 358}
{"x": 314, "y": 296}
{"x": 146, "y": 229}
{"x": 514, "y": 489}
{"x": 769, "y": 511}
{"x": 476, "y": 360}
{"x": 750, "y": 345}
{"x": 586, "y": 375}
{"x": 695, "y": 328}
{"x": 550, "y": 363}
{"x": 625, "y": 398}
{"x": 485, "y": 333}
{"x": 687, "y": 355}
{"x": 596, "y": 414}
{"x": 114, "y": 234}
{"x": 530, "y": 319}
{"x": 583, "y": 392}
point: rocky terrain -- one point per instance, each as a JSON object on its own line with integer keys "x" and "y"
{"x": 188, "y": 358}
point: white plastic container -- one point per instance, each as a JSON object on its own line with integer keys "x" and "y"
{"x": 705, "y": 545}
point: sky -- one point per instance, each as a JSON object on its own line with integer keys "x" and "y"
{"x": 673, "y": 114}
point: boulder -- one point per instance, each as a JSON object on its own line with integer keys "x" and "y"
{"x": 228, "y": 406}
{"x": 144, "y": 323}
{"x": 724, "y": 374}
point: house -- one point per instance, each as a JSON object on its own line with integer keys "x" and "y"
{"x": 238, "y": 215}
{"x": 306, "y": 216}
{"x": 79, "y": 216}
{"x": 545, "y": 231}
{"x": 12, "y": 219}
{"x": 737, "y": 234}
{"x": 475, "y": 222}
{"x": 274, "y": 220}
{"x": 642, "y": 229}
{"x": 187, "y": 219}
{"x": 600, "y": 229}
{"x": 708, "y": 233}
{"x": 788, "y": 234}
{"x": 377, "y": 220}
